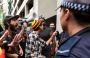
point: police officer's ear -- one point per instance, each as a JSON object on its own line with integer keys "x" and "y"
{"x": 67, "y": 13}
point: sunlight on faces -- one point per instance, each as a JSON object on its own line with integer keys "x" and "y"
{"x": 52, "y": 25}
{"x": 13, "y": 22}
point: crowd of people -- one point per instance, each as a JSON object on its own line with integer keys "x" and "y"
{"x": 18, "y": 42}
{"x": 19, "y": 39}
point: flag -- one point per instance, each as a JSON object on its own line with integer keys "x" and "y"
{"x": 2, "y": 52}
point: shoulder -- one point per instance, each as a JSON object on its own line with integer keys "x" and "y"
{"x": 47, "y": 29}
{"x": 82, "y": 48}
{"x": 33, "y": 34}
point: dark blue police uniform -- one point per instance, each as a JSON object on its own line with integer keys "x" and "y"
{"x": 76, "y": 46}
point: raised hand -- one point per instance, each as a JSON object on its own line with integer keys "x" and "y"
{"x": 15, "y": 41}
{"x": 21, "y": 52}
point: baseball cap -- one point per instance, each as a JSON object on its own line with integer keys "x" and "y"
{"x": 10, "y": 17}
{"x": 16, "y": 16}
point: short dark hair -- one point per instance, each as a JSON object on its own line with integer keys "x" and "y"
{"x": 82, "y": 17}
{"x": 6, "y": 23}
{"x": 52, "y": 23}
{"x": 41, "y": 17}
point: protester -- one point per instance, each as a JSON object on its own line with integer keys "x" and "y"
{"x": 52, "y": 26}
{"x": 53, "y": 43}
{"x": 12, "y": 40}
{"x": 45, "y": 35}
{"x": 23, "y": 38}
{"x": 75, "y": 21}
{"x": 34, "y": 43}
{"x": 2, "y": 42}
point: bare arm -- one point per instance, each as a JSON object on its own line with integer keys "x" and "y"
{"x": 20, "y": 34}
{"x": 21, "y": 50}
{"x": 52, "y": 37}
{"x": 3, "y": 37}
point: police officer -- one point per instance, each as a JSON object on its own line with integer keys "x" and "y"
{"x": 75, "y": 21}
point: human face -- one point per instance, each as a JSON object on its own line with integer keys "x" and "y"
{"x": 19, "y": 20}
{"x": 13, "y": 22}
{"x": 52, "y": 26}
{"x": 41, "y": 27}
{"x": 64, "y": 14}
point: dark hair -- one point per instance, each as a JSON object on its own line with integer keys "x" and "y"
{"x": 6, "y": 23}
{"x": 41, "y": 17}
{"x": 52, "y": 23}
{"x": 82, "y": 17}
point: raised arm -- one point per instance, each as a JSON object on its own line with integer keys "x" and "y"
{"x": 3, "y": 37}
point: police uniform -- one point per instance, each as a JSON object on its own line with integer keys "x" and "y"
{"x": 76, "y": 46}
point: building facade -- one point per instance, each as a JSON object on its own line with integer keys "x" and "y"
{"x": 26, "y": 8}
{"x": 58, "y": 25}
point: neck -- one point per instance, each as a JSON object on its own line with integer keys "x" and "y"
{"x": 74, "y": 27}
{"x": 73, "y": 31}
{"x": 37, "y": 32}
{"x": 53, "y": 30}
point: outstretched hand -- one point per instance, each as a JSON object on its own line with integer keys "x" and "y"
{"x": 15, "y": 41}
{"x": 21, "y": 52}
{"x": 54, "y": 33}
